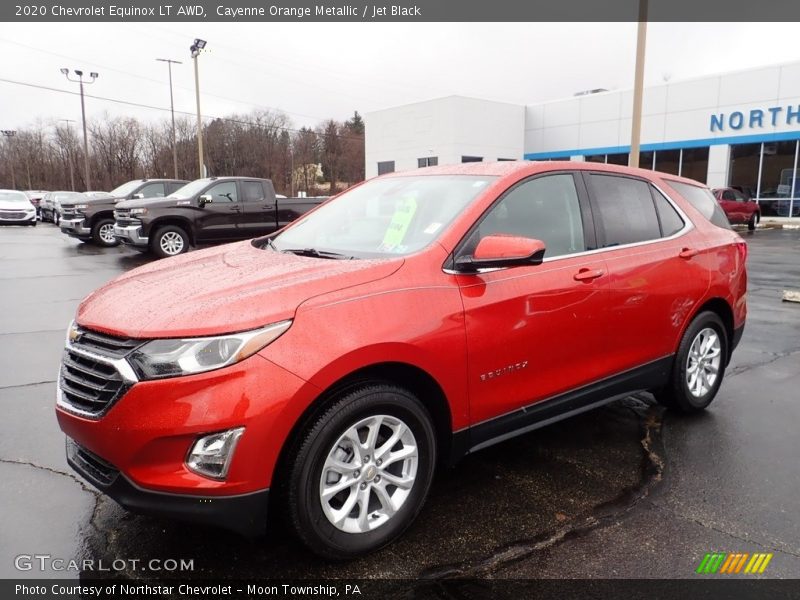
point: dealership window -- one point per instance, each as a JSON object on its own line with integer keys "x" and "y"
{"x": 647, "y": 160}
{"x": 466, "y": 159}
{"x": 595, "y": 158}
{"x": 768, "y": 172}
{"x": 387, "y": 166}
{"x": 668, "y": 161}
{"x": 694, "y": 163}
{"x": 430, "y": 161}
{"x": 506, "y": 159}
{"x": 617, "y": 159}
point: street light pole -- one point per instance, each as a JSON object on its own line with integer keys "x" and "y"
{"x": 172, "y": 111}
{"x": 69, "y": 154}
{"x": 638, "y": 85}
{"x": 196, "y": 48}
{"x": 10, "y": 133}
{"x": 80, "y": 81}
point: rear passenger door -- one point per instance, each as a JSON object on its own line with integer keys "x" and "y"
{"x": 654, "y": 258}
{"x": 258, "y": 210}
{"x": 151, "y": 190}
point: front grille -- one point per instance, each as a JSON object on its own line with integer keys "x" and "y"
{"x": 10, "y": 214}
{"x": 90, "y": 465}
{"x": 89, "y": 383}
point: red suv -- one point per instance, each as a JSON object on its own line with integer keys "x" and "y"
{"x": 738, "y": 207}
{"x": 413, "y": 319}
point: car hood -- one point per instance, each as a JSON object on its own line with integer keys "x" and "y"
{"x": 152, "y": 202}
{"x": 229, "y": 288}
{"x": 10, "y": 205}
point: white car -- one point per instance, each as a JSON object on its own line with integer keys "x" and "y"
{"x": 16, "y": 209}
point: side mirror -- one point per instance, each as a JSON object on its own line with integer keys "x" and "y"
{"x": 138, "y": 196}
{"x": 206, "y": 199}
{"x": 498, "y": 251}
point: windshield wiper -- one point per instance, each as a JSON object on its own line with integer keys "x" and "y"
{"x": 317, "y": 253}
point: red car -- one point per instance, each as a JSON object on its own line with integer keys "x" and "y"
{"x": 327, "y": 369}
{"x": 738, "y": 207}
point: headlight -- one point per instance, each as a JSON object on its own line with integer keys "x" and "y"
{"x": 80, "y": 206}
{"x": 138, "y": 211}
{"x": 174, "y": 357}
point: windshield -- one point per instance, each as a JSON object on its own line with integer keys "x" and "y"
{"x": 190, "y": 189}
{"x": 13, "y": 197}
{"x": 391, "y": 216}
{"x": 125, "y": 189}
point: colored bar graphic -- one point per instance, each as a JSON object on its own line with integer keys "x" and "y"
{"x": 732, "y": 563}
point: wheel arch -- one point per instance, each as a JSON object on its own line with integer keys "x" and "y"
{"x": 181, "y": 222}
{"x": 103, "y": 214}
{"x": 405, "y": 375}
{"x": 723, "y": 310}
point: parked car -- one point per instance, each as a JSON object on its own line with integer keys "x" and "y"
{"x": 93, "y": 220}
{"x": 16, "y": 208}
{"x": 738, "y": 207}
{"x": 50, "y": 205}
{"x": 35, "y": 196}
{"x": 324, "y": 371}
{"x": 216, "y": 209}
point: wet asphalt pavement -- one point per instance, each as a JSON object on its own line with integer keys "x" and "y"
{"x": 625, "y": 491}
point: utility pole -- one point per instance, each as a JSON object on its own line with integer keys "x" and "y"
{"x": 638, "y": 85}
{"x": 69, "y": 153}
{"x": 10, "y": 134}
{"x": 196, "y": 48}
{"x": 171, "y": 62}
{"x": 80, "y": 81}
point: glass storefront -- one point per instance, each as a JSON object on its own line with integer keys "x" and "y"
{"x": 689, "y": 162}
{"x": 694, "y": 163}
{"x": 769, "y": 173}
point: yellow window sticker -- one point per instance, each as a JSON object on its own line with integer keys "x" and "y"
{"x": 401, "y": 220}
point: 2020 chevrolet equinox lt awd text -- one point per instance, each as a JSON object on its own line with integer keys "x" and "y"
{"x": 326, "y": 370}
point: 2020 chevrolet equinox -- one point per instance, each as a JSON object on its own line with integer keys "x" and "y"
{"x": 324, "y": 371}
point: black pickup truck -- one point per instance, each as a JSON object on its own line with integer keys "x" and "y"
{"x": 215, "y": 209}
{"x": 91, "y": 219}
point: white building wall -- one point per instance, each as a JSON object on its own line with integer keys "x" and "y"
{"x": 447, "y": 128}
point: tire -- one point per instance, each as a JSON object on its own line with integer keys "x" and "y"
{"x": 688, "y": 393}
{"x": 56, "y": 219}
{"x": 33, "y": 223}
{"x": 103, "y": 233}
{"x": 751, "y": 224}
{"x": 169, "y": 240}
{"x": 320, "y": 522}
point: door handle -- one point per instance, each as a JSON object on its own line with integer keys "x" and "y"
{"x": 688, "y": 253}
{"x": 587, "y": 274}
{"x": 235, "y": 208}
{"x": 268, "y": 206}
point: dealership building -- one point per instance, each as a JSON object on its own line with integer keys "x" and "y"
{"x": 739, "y": 129}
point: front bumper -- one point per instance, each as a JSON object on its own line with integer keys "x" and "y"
{"x": 245, "y": 514}
{"x": 75, "y": 228}
{"x": 130, "y": 235}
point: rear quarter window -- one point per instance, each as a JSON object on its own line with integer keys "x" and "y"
{"x": 703, "y": 200}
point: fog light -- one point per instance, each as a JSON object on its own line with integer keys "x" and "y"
{"x": 211, "y": 455}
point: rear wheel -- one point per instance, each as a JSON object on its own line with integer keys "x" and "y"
{"x": 169, "y": 240}
{"x": 699, "y": 365}
{"x": 362, "y": 472}
{"x": 751, "y": 224}
{"x": 103, "y": 233}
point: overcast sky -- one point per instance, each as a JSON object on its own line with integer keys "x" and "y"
{"x": 314, "y": 71}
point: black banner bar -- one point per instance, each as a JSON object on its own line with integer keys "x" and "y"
{"x": 397, "y": 10}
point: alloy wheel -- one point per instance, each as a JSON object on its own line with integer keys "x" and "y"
{"x": 703, "y": 362}
{"x": 171, "y": 243}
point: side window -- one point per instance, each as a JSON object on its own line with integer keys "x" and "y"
{"x": 671, "y": 222}
{"x": 738, "y": 196}
{"x": 252, "y": 191}
{"x": 545, "y": 208}
{"x": 386, "y": 166}
{"x": 627, "y": 214}
{"x": 223, "y": 192}
{"x": 152, "y": 190}
{"x": 703, "y": 200}
{"x": 728, "y": 195}
{"x": 172, "y": 187}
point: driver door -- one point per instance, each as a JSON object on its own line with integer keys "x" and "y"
{"x": 534, "y": 332}
{"x": 219, "y": 220}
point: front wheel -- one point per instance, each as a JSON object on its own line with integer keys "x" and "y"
{"x": 170, "y": 240}
{"x": 103, "y": 233}
{"x": 362, "y": 472}
{"x": 699, "y": 365}
{"x": 751, "y": 224}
